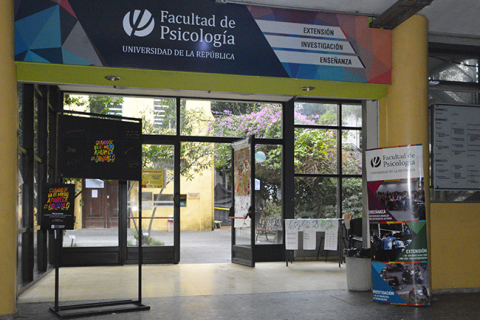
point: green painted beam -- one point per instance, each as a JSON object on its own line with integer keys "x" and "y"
{"x": 153, "y": 79}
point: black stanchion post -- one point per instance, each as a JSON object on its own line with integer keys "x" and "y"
{"x": 57, "y": 267}
{"x": 140, "y": 248}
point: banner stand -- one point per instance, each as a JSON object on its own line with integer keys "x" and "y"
{"x": 105, "y": 307}
{"x": 63, "y": 312}
{"x": 398, "y": 225}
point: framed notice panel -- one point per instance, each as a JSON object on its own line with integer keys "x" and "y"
{"x": 456, "y": 147}
{"x": 106, "y": 148}
{"x": 57, "y": 209}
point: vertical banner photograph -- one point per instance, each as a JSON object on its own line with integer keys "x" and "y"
{"x": 57, "y": 209}
{"x": 398, "y": 226}
{"x": 242, "y": 182}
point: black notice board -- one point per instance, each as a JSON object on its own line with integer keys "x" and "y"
{"x": 58, "y": 204}
{"x": 99, "y": 148}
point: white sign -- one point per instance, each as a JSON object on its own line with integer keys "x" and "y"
{"x": 291, "y": 239}
{"x": 309, "y": 227}
{"x": 394, "y": 163}
{"x": 456, "y": 147}
{"x": 300, "y": 29}
{"x": 331, "y": 240}
{"x": 309, "y": 239}
{"x": 94, "y": 183}
{"x": 310, "y": 44}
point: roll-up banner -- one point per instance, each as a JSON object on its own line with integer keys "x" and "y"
{"x": 396, "y": 204}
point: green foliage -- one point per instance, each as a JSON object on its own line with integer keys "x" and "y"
{"x": 94, "y": 104}
{"x": 315, "y": 149}
{"x": 315, "y": 152}
{"x": 146, "y": 240}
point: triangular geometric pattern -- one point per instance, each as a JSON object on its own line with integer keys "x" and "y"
{"x": 374, "y": 56}
{"x": 20, "y": 45}
{"x": 66, "y": 5}
{"x": 86, "y": 52}
{"x": 49, "y": 54}
{"x": 32, "y": 57}
{"x": 49, "y": 35}
{"x": 46, "y": 31}
{"x": 70, "y": 58}
{"x": 29, "y": 28}
{"x": 25, "y": 9}
{"x": 381, "y": 286}
{"x": 68, "y": 23}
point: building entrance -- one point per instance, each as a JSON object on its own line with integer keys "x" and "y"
{"x": 186, "y": 188}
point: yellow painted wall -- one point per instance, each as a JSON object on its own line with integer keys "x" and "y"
{"x": 455, "y": 254}
{"x": 198, "y": 214}
{"x": 8, "y": 169}
{"x": 78, "y": 207}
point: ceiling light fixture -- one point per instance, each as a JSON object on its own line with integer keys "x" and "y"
{"x": 308, "y": 88}
{"x": 112, "y": 78}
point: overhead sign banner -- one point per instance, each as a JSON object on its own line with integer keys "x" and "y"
{"x": 58, "y": 207}
{"x": 398, "y": 228}
{"x": 202, "y": 36}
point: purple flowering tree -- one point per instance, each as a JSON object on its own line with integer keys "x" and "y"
{"x": 315, "y": 152}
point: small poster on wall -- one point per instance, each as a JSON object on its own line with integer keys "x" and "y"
{"x": 396, "y": 203}
{"x": 58, "y": 207}
{"x": 242, "y": 182}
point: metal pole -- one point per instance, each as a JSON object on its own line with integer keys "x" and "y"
{"x": 140, "y": 237}
{"x": 57, "y": 266}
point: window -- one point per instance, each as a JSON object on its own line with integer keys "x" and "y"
{"x": 328, "y": 159}
{"x": 453, "y": 79}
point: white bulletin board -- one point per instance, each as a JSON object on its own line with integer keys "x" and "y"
{"x": 456, "y": 147}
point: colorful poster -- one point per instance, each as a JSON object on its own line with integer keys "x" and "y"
{"x": 58, "y": 204}
{"x": 203, "y": 36}
{"x": 398, "y": 229}
{"x": 99, "y": 148}
{"x": 242, "y": 183}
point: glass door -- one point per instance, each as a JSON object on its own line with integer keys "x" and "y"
{"x": 243, "y": 215}
{"x": 159, "y": 206}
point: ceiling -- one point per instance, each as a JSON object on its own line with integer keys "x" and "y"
{"x": 447, "y": 18}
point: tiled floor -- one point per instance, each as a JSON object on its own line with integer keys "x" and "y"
{"x": 90, "y": 283}
{"x": 193, "y": 290}
{"x": 303, "y": 290}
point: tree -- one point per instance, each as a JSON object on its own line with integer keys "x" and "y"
{"x": 196, "y": 157}
{"x": 315, "y": 152}
{"x": 315, "y": 149}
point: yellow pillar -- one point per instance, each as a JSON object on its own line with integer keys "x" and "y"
{"x": 404, "y": 110}
{"x": 406, "y": 103}
{"x": 8, "y": 169}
